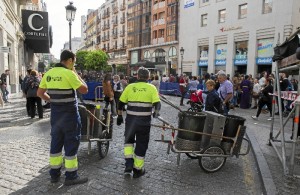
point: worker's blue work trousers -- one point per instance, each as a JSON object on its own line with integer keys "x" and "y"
{"x": 65, "y": 132}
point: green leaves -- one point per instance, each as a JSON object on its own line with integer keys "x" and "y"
{"x": 92, "y": 60}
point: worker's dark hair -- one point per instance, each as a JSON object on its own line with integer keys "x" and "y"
{"x": 143, "y": 73}
{"x": 67, "y": 54}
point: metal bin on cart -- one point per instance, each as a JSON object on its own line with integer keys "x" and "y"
{"x": 193, "y": 121}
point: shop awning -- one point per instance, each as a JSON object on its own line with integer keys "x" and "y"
{"x": 144, "y": 63}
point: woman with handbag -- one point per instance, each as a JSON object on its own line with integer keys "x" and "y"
{"x": 31, "y": 87}
{"x": 265, "y": 99}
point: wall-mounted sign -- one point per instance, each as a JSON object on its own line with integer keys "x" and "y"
{"x": 240, "y": 61}
{"x": 263, "y": 61}
{"x": 224, "y": 29}
{"x": 134, "y": 57}
{"x": 203, "y": 63}
{"x": 4, "y": 49}
{"x": 189, "y": 3}
{"x": 36, "y": 30}
{"x": 221, "y": 51}
{"x": 265, "y": 48}
{"x": 220, "y": 62}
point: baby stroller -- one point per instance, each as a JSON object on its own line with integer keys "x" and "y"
{"x": 196, "y": 101}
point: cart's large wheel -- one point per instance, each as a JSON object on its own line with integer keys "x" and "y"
{"x": 191, "y": 156}
{"x": 103, "y": 146}
{"x": 212, "y": 164}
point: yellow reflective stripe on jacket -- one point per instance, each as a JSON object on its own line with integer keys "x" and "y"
{"x": 56, "y": 160}
{"x": 71, "y": 163}
{"x": 138, "y": 162}
{"x": 128, "y": 150}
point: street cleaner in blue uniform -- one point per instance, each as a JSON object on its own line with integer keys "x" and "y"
{"x": 61, "y": 83}
{"x": 140, "y": 98}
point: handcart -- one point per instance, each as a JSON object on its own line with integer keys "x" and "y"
{"x": 97, "y": 126}
{"x": 205, "y": 136}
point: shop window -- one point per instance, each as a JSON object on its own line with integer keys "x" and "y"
{"x": 204, "y": 52}
{"x": 241, "y": 50}
{"x": 222, "y": 16}
{"x": 243, "y": 11}
{"x": 267, "y": 6}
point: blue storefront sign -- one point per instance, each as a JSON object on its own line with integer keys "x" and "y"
{"x": 203, "y": 63}
{"x": 240, "y": 62}
{"x": 189, "y": 3}
{"x": 220, "y": 62}
{"x": 264, "y": 61}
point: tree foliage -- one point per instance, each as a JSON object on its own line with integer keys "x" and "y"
{"x": 95, "y": 60}
{"x": 80, "y": 58}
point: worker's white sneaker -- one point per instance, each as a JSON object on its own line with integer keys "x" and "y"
{"x": 269, "y": 119}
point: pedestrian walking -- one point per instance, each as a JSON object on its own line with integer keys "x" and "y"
{"x": 213, "y": 102}
{"x": 140, "y": 97}
{"x": 156, "y": 82}
{"x": 225, "y": 91}
{"x": 4, "y": 86}
{"x": 255, "y": 93}
{"x": 109, "y": 93}
{"x": 265, "y": 99}
{"x": 61, "y": 83}
{"x": 183, "y": 87}
{"x": 31, "y": 87}
{"x": 246, "y": 89}
{"x": 118, "y": 89}
{"x": 24, "y": 92}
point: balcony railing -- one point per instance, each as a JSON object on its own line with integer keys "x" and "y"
{"x": 122, "y": 20}
{"x": 122, "y": 46}
{"x": 115, "y": 22}
{"x": 161, "y": 4}
{"x": 161, "y": 40}
{"x": 122, "y": 7}
{"x": 115, "y": 35}
{"x": 122, "y": 33}
{"x": 159, "y": 22}
{"x": 103, "y": 38}
{"x": 115, "y": 9}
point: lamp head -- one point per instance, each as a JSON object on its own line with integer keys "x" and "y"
{"x": 70, "y": 12}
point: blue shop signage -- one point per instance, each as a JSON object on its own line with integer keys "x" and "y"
{"x": 189, "y": 3}
{"x": 220, "y": 62}
{"x": 203, "y": 63}
{"x": 240, "y": 61}
{"x": 264, "y": 61}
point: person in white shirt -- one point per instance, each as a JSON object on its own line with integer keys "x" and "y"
{"x": 256, "y": 91}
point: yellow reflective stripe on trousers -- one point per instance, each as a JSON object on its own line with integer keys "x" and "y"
{"x": 56, "y": 160}
{"x": 138, "y": 162}
{"x": 71, "y": 163}
{"x": 128, "y": 150}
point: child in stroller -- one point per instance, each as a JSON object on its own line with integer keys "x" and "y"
{"x": 196, "y": 101}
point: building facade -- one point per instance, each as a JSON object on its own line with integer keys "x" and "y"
{"x": 76, "y": 44}
{"x": 234, "y": 36}
{"x": 153, "y": 35}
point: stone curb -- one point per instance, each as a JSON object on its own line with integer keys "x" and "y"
{"x": 268, "y": 185}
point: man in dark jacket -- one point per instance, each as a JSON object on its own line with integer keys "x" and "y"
{"x": 4, "y": 86}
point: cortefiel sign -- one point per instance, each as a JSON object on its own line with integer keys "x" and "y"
{"x": 36, "y": 30}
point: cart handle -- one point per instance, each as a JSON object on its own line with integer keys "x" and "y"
{"x": 94, "y": 116}
{"x": 164, "y": 99}
{"x": 248, "y": 147}
{"x": 189, "y": 131}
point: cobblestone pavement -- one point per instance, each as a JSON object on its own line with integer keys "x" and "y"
{"x": 24, "y": 148}
{"x": 261, "y": 129}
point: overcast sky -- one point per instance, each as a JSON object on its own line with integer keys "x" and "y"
{"x": 60, "y": 26}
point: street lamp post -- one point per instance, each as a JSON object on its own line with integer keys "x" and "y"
{"x": 181, "y": 53}
{"x": 70, "y": 14}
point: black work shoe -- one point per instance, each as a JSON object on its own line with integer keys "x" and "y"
{"x": 78, "y": 180}
{"x": 55, "y": 179}
{"x": 128, "y": 170}
{"x": 277, "y": 113}
{"x": 138, "y": 173}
